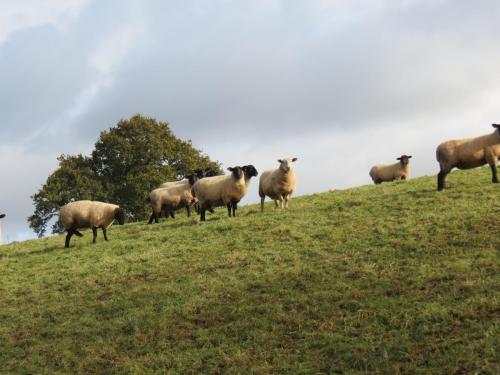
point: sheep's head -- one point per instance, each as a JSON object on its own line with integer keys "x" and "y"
{"x": 120, "y": 215}
{"x": 250, "y": 171}
{"x": 404, "y": 159}
{"x": 192, "y": 178}
{"x": 209, "y": 173}
{"x": 236, "y": 172}
{"x": 497, "y": 127}
{"x": 286, "y": 164}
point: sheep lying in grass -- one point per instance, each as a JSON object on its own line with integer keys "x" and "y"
{"x": 278, "y": 184}
{"x": 170, "y": 199}
{"x": 469, "y": 153}
{"x": 89, "y": 214}
{"x": 391, "y": 172}
{"x": 221, "y": 191}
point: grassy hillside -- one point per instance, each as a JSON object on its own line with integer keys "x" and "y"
{"x": 391, "y": 278}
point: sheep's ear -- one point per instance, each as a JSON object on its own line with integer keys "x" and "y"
{"x": 496, "y": 126}
{"x": 230, "y": 169}
{"x": 409, "y": 156}
{"x": 294, "y": 159}
{"x": 280, "y": 161}
{"x": 398, "y": 158}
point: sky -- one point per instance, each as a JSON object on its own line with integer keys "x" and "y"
{"x": 340, "y": 84}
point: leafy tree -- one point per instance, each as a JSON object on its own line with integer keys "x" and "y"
{"x": 73, "y": 180}
{"x": 128, "y": 161}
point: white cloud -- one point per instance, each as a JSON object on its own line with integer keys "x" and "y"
{"x": 16, "y": 15}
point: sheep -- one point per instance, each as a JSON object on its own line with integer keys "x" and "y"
{"x": 391, "y": 172}
{"x": 249, "y": 171}
{"x": 469, "y": 153}
{"x": 278, "y": 184}
{"x": 170, "y": 198}
{"x": 89, "y": 214}
{"x": 189, "y": 179}
{"x": 226, "y": 190}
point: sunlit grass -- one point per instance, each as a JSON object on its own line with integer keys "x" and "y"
{"x": 395, "y": 278}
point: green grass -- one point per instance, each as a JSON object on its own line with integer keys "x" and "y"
{"x": 395, "y": 278}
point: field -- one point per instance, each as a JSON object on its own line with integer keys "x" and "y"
{"x": 395, "y": 278}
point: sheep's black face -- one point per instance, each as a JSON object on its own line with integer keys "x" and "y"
{"x": 200, "y": 173}
{"x": 210, "y": 173}
{"x": 404, "y": 159}
{"x": 192, "y": 178}
{"x": 250, "y": 171}
{"x": 237, "y": 172}
{"x": 120, "y": 216}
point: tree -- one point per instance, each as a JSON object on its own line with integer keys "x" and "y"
{"x": 73, "y": 180}
{"x": 128, "y": 161}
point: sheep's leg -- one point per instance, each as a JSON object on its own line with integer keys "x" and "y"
{"x": 494, "y": 175}
{"x": 229, "y": 209}
{"x": 188, "y": 208}
{"x": 262, "y": 203}
{"x": 172, "y": 214}
{"x": 441, "y": 180}
{"x": 94, "y": 232}
{"x": 154, "y": 216}
{"x": 203, "y": 209}
{"x": 276, "y": 203}
{"x": 235, "y": 207}
{"x": 77, "y": 233}
{"x": 285, "y": 201}
{"x": 68, "y": 237}
{"x": 104, "y": 232}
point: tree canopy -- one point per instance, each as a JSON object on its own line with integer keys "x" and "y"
{"x": 128, "y": 161}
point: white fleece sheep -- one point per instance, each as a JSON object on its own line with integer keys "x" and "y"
{"x": 171, "y": 198}
{"x": 89, "y": 214}
{"x": 221, "y": 190}
{"x": 391, "y": 172}
{"x": 469, "y": 153}
{"x": 278, "y": 184}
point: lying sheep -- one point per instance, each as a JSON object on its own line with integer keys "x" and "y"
{"x": 89, "y": 214}
{"x": 224, "y": 190}
{"x": 278, "y": 184}
{"x": 170, "y": 199}
{"x": 391, "y": 172}
{"x": 469, "y": 153}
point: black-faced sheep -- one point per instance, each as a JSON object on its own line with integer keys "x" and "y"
{"x": 249, "y": 171}
{"x": 220, "y": 190}
{"x": 170, "y": 199}
{"x": 391, "y": 172}
{"x": 278, "y": 184}
{"x": 469, "y": 153}
{"x": 89, "y": 214}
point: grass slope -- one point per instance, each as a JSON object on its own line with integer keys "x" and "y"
{"x": 395, "y": 278}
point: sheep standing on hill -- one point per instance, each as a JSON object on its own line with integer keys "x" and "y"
{"x": 170, "y": 199}
{"x": 278, "y": 184}
{"x": 224, "y": 190}
{"x": 469, "y": 153}
{"x": 391, "y": 172}
{"x": 89, "y": 214}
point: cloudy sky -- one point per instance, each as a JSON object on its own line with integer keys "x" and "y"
{"x": 340, "y": 84}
